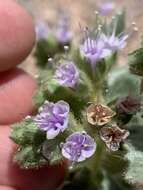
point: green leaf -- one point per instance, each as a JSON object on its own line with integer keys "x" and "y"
{"x": 27, "y": 158}
{"x": 39, "y": 97}
{"x": 26, "y": 133}
{"x": 119, "y": 184}
{"x": 121, "y": 83}
{"x": 136, "y": 62}
{"x": 44, "y": 50}
{"x": 134, "y": 174}
{"x": 136, "y": 136}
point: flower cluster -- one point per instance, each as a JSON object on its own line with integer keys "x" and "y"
{"x": 53, "y": 118}
{"x": 61, "y": 33}
{"x": 94, "y": 50}
{"x": 99, "y": 46}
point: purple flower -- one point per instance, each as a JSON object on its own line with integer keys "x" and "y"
{"x": 114, "y": 42}
{"x": 106, "y": 8}
{"x": 94, "y": 50}
{"x": 53, "y": 118}
{"x": 41, "y": 30}
{"x": 67, "y": 75}
{"x": 78, "y": 147}
{"x": 63, "y": 34}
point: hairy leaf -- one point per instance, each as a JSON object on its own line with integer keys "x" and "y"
{"x": 27, "y": 158}
{"x": 121, "y": 83}
{"x": 135, "y": 170}
{"x": 26, "y": 133}
{"x": 135, "y": 62}
{"x": 136, "y": 136}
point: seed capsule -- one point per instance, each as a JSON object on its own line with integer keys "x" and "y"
{"x": 113, "y": 136}
{"x": 98, "y": 114}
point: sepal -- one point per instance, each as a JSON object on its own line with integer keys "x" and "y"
{"x": 28, "y": 158}
{"x": 51, "y": 151}
{"x": 26, "y": 133}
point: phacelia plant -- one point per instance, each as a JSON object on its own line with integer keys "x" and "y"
{"x": 89, "y": 109}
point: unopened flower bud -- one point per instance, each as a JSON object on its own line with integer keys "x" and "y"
{"x": 127, "y": 107}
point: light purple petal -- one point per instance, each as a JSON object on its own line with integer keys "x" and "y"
{"x": 67, "y": 75}
{"x": 106, "y": 8}
{"x": 53, "y": 118}
{"x": 42, "y": 30}
{"x": 78, "y": 147}
{"x": 52, "y": 133}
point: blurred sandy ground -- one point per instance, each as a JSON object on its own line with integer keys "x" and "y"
{"x": 81, "y": 12}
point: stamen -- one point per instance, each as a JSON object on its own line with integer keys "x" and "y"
{"x": 87, "y": 39}
{"x": 132, "y": 30}
{"x": 136, "y": 29}
{"x": 50, "y": 59}
{"x": 66, "y": 48}
{"x": 134, "y": 23}
{"x": 96, "y": 12}
{"x": 40, "y": 109}
{"x": 28, "y": 117}
{"x": 36, "y": 76}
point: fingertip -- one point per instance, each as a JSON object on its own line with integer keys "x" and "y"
{"x": 16, "y": 91}
{"x": 6, "y": 188}
{"x": 17, "y": 34}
